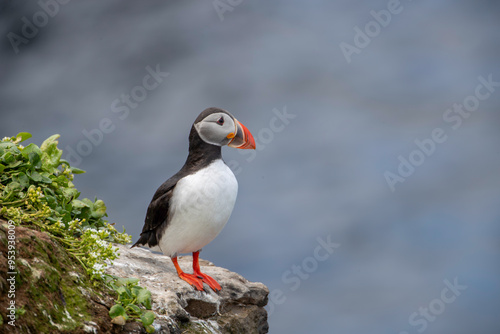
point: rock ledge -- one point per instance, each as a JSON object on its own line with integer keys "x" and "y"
{"x": 179, "y": 308}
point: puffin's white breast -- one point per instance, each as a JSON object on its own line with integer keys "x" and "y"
{"x": 201, "y": 204}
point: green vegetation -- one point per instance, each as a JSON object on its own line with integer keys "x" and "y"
{"x": 130, "y": 295}
{"x": 36, "y": 191}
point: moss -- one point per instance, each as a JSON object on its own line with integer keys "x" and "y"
{"x": 4, "y": 240}
{"x": 49, "y": 287}
{"x": 57, "y": 294}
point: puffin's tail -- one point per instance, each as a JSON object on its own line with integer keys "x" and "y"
{"x": 147, "y": 238}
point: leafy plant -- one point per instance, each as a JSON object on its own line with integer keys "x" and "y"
{"x": 36, "y": 190}
{"x": 19, "y": 312}
{"x": 130, "y": 299}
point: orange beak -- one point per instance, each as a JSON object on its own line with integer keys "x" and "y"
{"x": 242, "y": 139}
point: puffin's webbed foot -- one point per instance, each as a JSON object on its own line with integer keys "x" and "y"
{"x": 197, "y": 278}
{"x": 204, "y": 277}
{"x": 209, "y": 280}
{"x": 193, "y": 280}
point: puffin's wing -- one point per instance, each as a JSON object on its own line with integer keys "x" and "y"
{"x": 157, "y": 214}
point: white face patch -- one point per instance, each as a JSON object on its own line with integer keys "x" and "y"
{"x": 215, "y": 128}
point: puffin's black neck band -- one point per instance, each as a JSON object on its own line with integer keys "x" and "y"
{"x": 201, "y": 154}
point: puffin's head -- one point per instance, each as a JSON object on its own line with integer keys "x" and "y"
{"x": 218, "y": 127}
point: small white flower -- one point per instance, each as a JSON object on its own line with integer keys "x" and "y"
{"x": 102, "y": 243}
{"x": 98, "y": 268}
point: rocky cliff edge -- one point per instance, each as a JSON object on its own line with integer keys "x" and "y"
{"x": 179, "y": 308}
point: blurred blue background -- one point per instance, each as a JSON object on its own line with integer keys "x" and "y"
{"x": 320, "y": 172}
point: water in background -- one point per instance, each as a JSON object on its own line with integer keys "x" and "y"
{"x": 372, "y": 202}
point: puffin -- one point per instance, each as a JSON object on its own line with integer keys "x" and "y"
{"x": 192, "y": 207}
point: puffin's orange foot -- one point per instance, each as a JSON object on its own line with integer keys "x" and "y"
{"x": 210, "y": 281}
{"x": 193, "y": 280}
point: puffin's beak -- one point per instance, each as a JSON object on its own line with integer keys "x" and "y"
{"x": 242, "y": 138}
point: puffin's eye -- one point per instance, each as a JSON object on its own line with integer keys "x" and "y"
{"x": 220, "y": 121}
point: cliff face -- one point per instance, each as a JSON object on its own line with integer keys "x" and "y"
{"x": 179, "y": 308}
{"x": 44, "y": 291}
{"x": 53, "y": 294}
